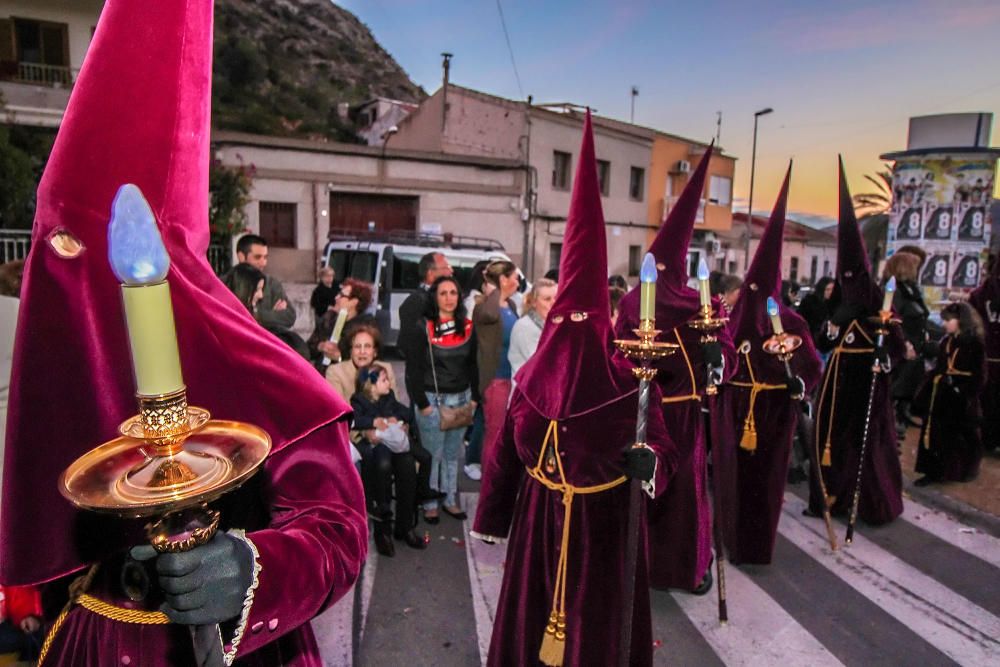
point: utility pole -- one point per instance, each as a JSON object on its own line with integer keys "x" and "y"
{"x": 635, "y": 94}
{"x": 718, "y": 127}
{"x": 446, "y": 65}
{"x": 753, "y": 164}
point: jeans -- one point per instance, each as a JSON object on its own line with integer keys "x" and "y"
{"x": 474, "y": 452}
{"x": 444, "y": 446}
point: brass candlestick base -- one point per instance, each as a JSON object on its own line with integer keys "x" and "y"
{"x": 707, "y": 324}
{"x": 782, "y": 345}
{"x": 169, "y": 463}
{"x": 645, "y": 349}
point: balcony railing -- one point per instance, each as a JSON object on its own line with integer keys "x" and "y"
{"x": 15, "y": 244}
{"x": 38, "y": 74}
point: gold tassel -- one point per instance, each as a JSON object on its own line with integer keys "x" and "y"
{"x": 749, "y": 439}
{"x": 554, "y": 641}
{"x": 826, "y": 456}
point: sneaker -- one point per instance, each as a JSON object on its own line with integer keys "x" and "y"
{"x": 473, "y": 471}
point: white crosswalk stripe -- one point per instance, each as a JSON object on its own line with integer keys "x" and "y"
{"x": 974, "y": 541}
{"x": 958, "y": 628}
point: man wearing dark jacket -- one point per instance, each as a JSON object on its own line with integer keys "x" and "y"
{"x": 274, "y": 310}
{"x": 431, "y": 266}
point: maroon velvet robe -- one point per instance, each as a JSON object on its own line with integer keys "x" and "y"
{"x": 950, "y": 448}
{"x": 843, "y": 397}
{"x": 680, "y": 521}
{"x": 591, "y": 444}
{"x": 752, "y": 483}
{"x": 986, "y": 300}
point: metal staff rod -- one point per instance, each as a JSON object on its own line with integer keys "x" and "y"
{"x": 882, "y": 322}
{"x": 707, "y": 324}
{"x": 644, "y": 350}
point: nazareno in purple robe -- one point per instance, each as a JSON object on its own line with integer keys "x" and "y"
{"x": 554, "y": 482}
{"x": 680, "y": 521}
{"x": 842, "y": 403}
{"x": 950, "y": 448}
{"x": 986, "y": 300}
{"x": 756, "y": 418}
{"x": 139, "y": 113}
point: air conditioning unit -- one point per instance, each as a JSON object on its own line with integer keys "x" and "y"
{"x": 713, "y": 247}
{"x": 682, "y": 167}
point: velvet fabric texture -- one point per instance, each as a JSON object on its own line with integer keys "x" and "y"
{"x": 680, "y": 520}
{"x": 986, "y": 300}
{"x": 950, "y": 448}
{"x": 513, "y": 503}
{"x": 579, "y": 324}
{"x": 858, "y": 285}
{"x": 591, "y": 408}
{"x": 842, "y": 404}
{"x": 751, "y": 483}
{"x": 139, "y": 113}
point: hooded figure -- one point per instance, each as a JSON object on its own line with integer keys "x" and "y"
{"x": 557, "y": 480}
{"x": 680, "y": 523}
{"x": 294, "y": 537}
{"x": 986, "y": 300}
{"x": 759, "y": 406}
{"x": 842, "y": 406}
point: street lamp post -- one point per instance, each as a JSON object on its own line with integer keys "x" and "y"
{"x": 753, "y": 164}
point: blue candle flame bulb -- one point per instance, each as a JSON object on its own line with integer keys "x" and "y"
{"x": 647, "y": 273}
{"x": 702, "y": 269}
{"x": 772, "y": 306}
{"x": 891, "y": 285}
{"x": 135, "y": 249}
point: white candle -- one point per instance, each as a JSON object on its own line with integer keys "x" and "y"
{"x": 703, "y": 288}
{"x": 890, "y": 289}
{"x": 647, "y": 289}
{"x": 772, "y": 311}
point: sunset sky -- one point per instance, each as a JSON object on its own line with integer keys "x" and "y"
{"x": 841, "y": 76}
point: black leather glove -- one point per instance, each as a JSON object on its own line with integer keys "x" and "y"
{"x": 640, "y": 463}
{"x": 205, "y": 585}
{"x": 795, "y": 387}
{"x": 882, "y": 357}
{"x": 712, "y": 352}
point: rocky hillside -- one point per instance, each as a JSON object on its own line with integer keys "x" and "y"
{"x": 282, "y": 66}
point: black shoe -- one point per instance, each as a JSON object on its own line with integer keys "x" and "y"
{"x": 926, "y": 480}
{"x": 460, "y": 515}
{"x": 384, "y": 544}
{"x": 706, "y": 583}
{"x": 797, "y": 475}
{"x": 810, "y": 513}
{"x": 412, "y": 539}
{"x": 432, "y": 520}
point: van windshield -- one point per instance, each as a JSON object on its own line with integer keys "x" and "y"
{"x": 354, "y": 264}
{"x": 405, "y": 275}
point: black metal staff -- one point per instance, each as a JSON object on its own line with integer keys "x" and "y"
{"x": 876, "y": 369}
{"x": 645, "y": 350}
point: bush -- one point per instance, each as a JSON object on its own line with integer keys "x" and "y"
{"x": 229, "y": 193}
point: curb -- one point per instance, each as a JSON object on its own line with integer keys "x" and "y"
{"x": 965, "y": 513}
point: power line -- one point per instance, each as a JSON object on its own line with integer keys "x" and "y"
{"x": 510, "y": 50}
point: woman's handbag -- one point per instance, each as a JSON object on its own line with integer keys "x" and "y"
{"x": 451, "y": 418}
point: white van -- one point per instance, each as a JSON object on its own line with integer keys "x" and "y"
{"x": 388, "y": 260}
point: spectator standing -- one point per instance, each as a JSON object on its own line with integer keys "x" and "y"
{"x": 274, "y": 310}
{"x": 986, "y": 300}
{"x": 494, "y": 321}
{"x": 950, "y": 448}
{"x": 21, "y": 622}
{"x": 729, "y": 292}
{"x": 249, "y": 286}
{"x": 441, "y": 372}
{"x": 325, "y": 292}
{"x": 354, "y": 296}
{"x": 615, "y": 295}
{"x": 618, "y": 281}
{"x": 819, "y": 305}
{"x": 790, "y": 293}
{"x": 477, "y": 291}
{"x": 528, "y": 330}
{"x": 431, "y": 266}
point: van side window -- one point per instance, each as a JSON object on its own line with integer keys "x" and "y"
{"x": 404, "y": 272}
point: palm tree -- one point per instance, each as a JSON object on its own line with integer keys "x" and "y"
{"x": 879, "y": 200}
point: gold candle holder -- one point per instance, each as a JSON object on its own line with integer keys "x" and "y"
{"x": 645, "y": 349}
{"x": 708, "y": 324}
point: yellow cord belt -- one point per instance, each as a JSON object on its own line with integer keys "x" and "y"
{"x": 949, "y": 371}
{"x": 549, "y": 461}
{"x": 835, "y": 372}
{"x": 693, "y": 396}
{"x": 748, "y": 441}
{"x": 78, "y": 595}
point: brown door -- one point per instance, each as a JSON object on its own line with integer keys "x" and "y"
{"x": 350, "y": 212}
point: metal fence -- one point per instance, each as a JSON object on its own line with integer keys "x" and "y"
{"x": 15, "y": 244}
